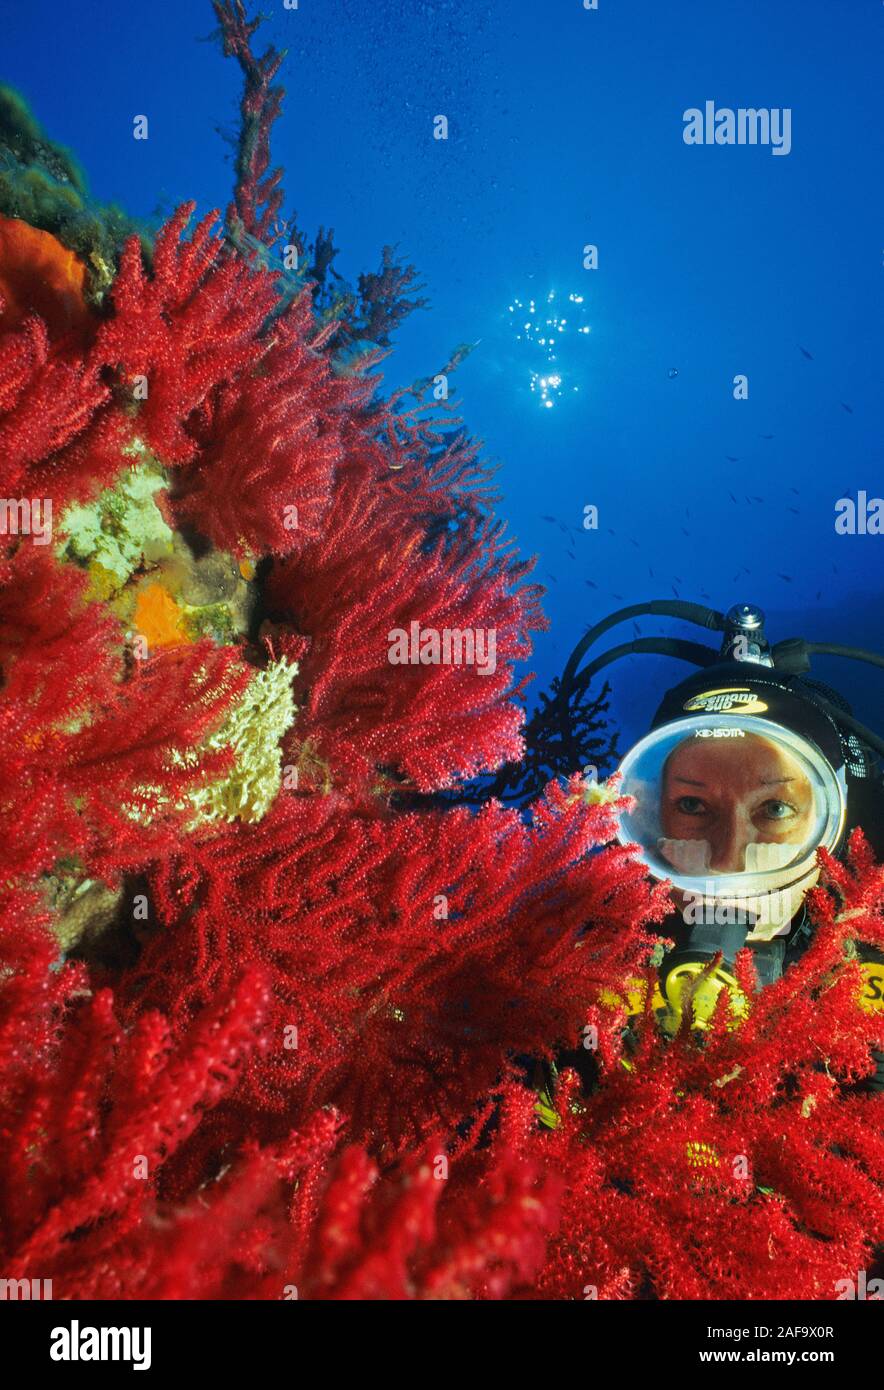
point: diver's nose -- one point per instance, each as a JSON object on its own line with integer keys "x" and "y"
{"x": 730, "y": 837}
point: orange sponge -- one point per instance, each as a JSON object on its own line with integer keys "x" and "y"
{"x": 158, "y": 618}
{"x": 38, "y": 274}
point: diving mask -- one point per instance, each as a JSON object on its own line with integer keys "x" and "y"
{"x": 732, "y": 809}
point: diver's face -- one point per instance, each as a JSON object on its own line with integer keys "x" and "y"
{"x": 732, "y": 793}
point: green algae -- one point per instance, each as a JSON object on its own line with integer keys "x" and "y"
{"x": 122, "y": 529}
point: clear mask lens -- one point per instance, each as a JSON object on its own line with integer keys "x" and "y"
{"x": 733, "y": 805}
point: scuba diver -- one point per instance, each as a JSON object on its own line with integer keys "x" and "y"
{"x": 749, "y": 768}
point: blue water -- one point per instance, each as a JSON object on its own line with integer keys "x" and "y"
{"x": 566, "y": 129}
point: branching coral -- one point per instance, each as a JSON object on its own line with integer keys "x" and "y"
{"x": 268, "y": 446}
{"x": 183, "y": 331}
{"x": 426, "y": 947}
{"x": 258, "y": 194}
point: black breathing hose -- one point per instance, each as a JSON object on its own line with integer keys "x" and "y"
{"x": 663, "y": 608}
{"x": 791, "y": 656}
{"x": 654, "y": 646}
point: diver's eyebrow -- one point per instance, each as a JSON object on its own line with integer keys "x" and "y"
{"x": 689, "y": 781}
{"x": 775, "y": 781}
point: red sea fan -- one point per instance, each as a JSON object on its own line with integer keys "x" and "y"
{"x": 130, "y": 767}
{"x": 258, "y": 195}
{"x": 97, "y": 757}
{"x": 46, "y": 400}
{"x": 447, "y": 1223}
{"x": 303, "y": 1222}
{"x": 56, "y": 660}
{"x": 370, "y": 582}
{"x": 186, "y": 329}
{"x": 262, "y": 481}
{"x": 426, "y": 947}
{"x": 90, "y": 1113}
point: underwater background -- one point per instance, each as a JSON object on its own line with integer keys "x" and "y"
{"x": 565, "y": 128}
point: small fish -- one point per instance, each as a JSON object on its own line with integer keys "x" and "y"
{"x": 806, "y": 353}
{"x": 550, "y": 519}
{"x": 703, "y": 594}
{"x": 651, "y": 572}
{"x": 757, "y": 499}
{"x": 730, "y": 458}
{"x": 795, "y": 510}
{"x": 819, "y": 594}
{"x": 591, "y": 583}
{"x": 765, "y": 436}
{"x": 848, "y": 408}
{"x": 795, "y": 490}
{"x": 611, "y": 533}
{"x": 552, "y": 577}
{"x": 675, "y": 591}
{"x": 732, "y": 497}
{"x": 636, "y": 629}
{"x": 617, "y": 596}
{"x": 677, "y": 578}
{"x": 635, "y": 543}
{"x": 684, "y": 532}
{"x": 787, "y": 577}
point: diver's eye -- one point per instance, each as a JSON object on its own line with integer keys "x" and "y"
{"x": 777, "y": 810}
{"x": 690, "y": 806}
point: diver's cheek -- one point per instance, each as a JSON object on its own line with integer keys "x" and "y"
{"x": 685, "y": 856}
{"x": 767, "y": 855}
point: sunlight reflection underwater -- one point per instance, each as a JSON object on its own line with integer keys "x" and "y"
{"x": 549, "y": 333}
